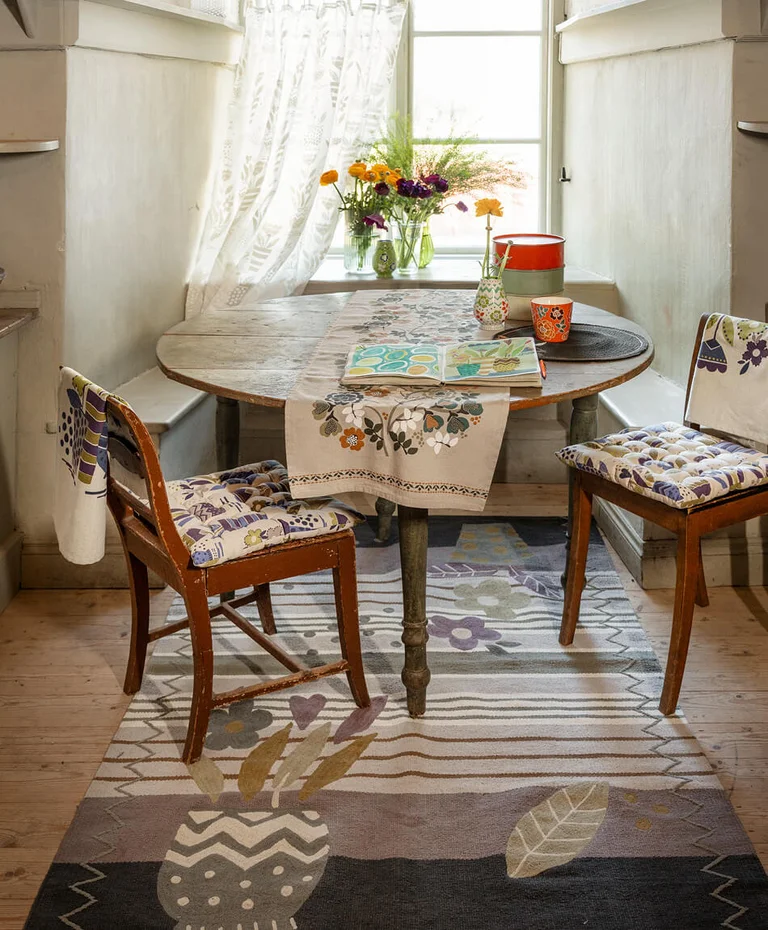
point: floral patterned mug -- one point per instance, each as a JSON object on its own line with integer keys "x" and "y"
{"x": 552, "y": 318}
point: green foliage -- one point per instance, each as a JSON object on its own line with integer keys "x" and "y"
{"x": 457, "y": 158}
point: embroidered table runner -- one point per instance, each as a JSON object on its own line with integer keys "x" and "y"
{"x": 430, "y": 447}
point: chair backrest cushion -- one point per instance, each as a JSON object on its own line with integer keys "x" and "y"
{"x": 729, "y": 388}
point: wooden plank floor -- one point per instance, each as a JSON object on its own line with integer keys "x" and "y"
{"x": 62, "y": 657}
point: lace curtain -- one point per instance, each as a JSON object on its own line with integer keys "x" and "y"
{"x": 310, "y": 87}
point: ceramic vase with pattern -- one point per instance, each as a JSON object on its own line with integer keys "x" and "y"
{"x": 491, "y": 304}
{"x": 235, "y": 870}
{"x": 384, "y": 259}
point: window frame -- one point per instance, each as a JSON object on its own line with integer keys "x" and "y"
{"x": 549, "y": 139}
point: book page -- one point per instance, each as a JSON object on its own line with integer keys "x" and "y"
{"x": 382, "y": 363}
{"x": 491, "y": 361}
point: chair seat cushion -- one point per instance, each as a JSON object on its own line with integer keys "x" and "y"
{"x": 670, "y": 463}
{"x": 231, "y": 514}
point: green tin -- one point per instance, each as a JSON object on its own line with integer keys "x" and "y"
{"x": 533, "y": 283}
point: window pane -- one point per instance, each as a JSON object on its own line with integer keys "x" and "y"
{"x": 455, "y": 230}
{"x": 488, "y": 86}
{"x": 476, "y": 16}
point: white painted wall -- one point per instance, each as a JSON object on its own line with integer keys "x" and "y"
{"x": 648, "y": 148}
{"x": 750, "y": 183}
{"x": 139, "y": 148}
{"x": 106, "y": 227}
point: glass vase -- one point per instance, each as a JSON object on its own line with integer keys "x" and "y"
{"x": 427, "y": 250}
{"x": 384, "y": 258}
{"x": 359, "y": 245}
{"x": 408, "y": 246}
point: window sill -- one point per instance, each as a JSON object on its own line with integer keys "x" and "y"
{"x": 454, "y": 272}
{"x": 170, "y": 10}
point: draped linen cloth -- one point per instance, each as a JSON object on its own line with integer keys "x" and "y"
{"x": 309, "y": 92}
{"x": 430, "y": 447}
{"x": 730, "y": 382}
{"x": 80, "y": 507}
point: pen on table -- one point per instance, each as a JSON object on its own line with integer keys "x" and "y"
{"x": 542, "y": 368}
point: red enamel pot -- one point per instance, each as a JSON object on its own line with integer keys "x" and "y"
{"x": 530, "y": 251}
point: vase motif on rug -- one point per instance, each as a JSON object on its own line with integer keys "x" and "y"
{"x": 491, "y": 304}
{"x": 236, "y": 869}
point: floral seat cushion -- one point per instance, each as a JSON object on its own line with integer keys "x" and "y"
{"x": 231, "y": 514}
{"x": 670, "y": 463}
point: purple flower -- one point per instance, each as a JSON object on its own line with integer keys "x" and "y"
{"x": 375, "y": 219}
{"x": 461, "y": 206}
{"x": 464, "y": 634}
{"x": 422, "y": 191}
{"x": 382, "y": 188}
{"x": 431, "y": 179}
{"x": 440, "y": 185}
{"x": 757, "y": 350}
{"x": 406, "y": 188}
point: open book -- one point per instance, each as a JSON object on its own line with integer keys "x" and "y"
{"x": 501, "y": 361}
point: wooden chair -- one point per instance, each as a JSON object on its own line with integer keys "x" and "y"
{"x": 686, "y": 481}
{"x": 153, "y": 539}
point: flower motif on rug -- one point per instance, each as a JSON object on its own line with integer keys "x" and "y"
{"x": 465, "y": 634}
{"x": 494, "y": 597}
{"x": 237, "y": 726}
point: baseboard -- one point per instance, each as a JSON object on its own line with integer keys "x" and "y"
{"x": 43, "y": 566}
{"x": 739, "y": 559}
{"x": 10, "y": 568}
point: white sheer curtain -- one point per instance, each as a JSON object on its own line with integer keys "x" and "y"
{"x": 310, "y": 87}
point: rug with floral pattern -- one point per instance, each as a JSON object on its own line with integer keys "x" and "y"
{"x": 542, "y": 790}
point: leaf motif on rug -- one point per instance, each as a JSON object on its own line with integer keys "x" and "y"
{"x": 557, "y": 830}
{"x": 208, "y": 777}
{"x": 332, "y": 768}
{"x": 257, "y": 764}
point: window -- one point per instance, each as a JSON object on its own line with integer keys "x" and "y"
{"x": 481, "y": 68}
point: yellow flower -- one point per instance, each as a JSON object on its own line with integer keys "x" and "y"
{"x": 370, "y": 176}
{"x": 488, "y": 205}
{"x": 329, "y": 177}
{"x": 358, "y": 169}
{"x": 380, "y": 171}
{"x": 392, "y": 176}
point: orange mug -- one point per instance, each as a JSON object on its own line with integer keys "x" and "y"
{"x": 552, "y": 318}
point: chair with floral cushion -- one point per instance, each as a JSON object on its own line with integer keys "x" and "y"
{"x": 680, "y": 478}
{"x": 217, "y": 533}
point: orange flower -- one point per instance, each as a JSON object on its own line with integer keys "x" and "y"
{"x": 370, "y": 176}
{"x": 488, "y": 205}
{"x": 358, "y": 169}
{"x": 392, "y": 176}
{"x": 329, "y": 177}
{"x": 380, "y": 171}
{"x": 353, "y": 439}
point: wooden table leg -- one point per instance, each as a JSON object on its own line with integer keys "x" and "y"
{"x": 413, "y": 526}
{"x": 227, "y": 446}
{"x": 384, "y": 509}
{"x": 583, "y": 428}
{"x": 227, "y": 433}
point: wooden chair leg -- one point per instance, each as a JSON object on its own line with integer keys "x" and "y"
{"x": 202, "y": 658}
{"x": 139, "y": 584}
{"x": 702, "y": 598}
{"x": 345, "y": 590}
{"x": 577, "y": 560}
{"x": 686, "y": 585}
{"x": 264, "y": 603}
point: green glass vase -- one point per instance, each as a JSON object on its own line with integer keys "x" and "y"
{"x": 427, "y": 250}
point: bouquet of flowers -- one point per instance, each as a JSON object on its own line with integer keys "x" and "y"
{"x": 363, "y": 204}
{"x": 410, "y": 204}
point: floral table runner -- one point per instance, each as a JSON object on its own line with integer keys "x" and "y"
{"x": 429, "y": 447}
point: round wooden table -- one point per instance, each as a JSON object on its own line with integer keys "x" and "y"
{"x": 255, "y": 356}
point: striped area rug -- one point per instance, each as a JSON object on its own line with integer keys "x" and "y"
{"x": 542, "y": 791}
